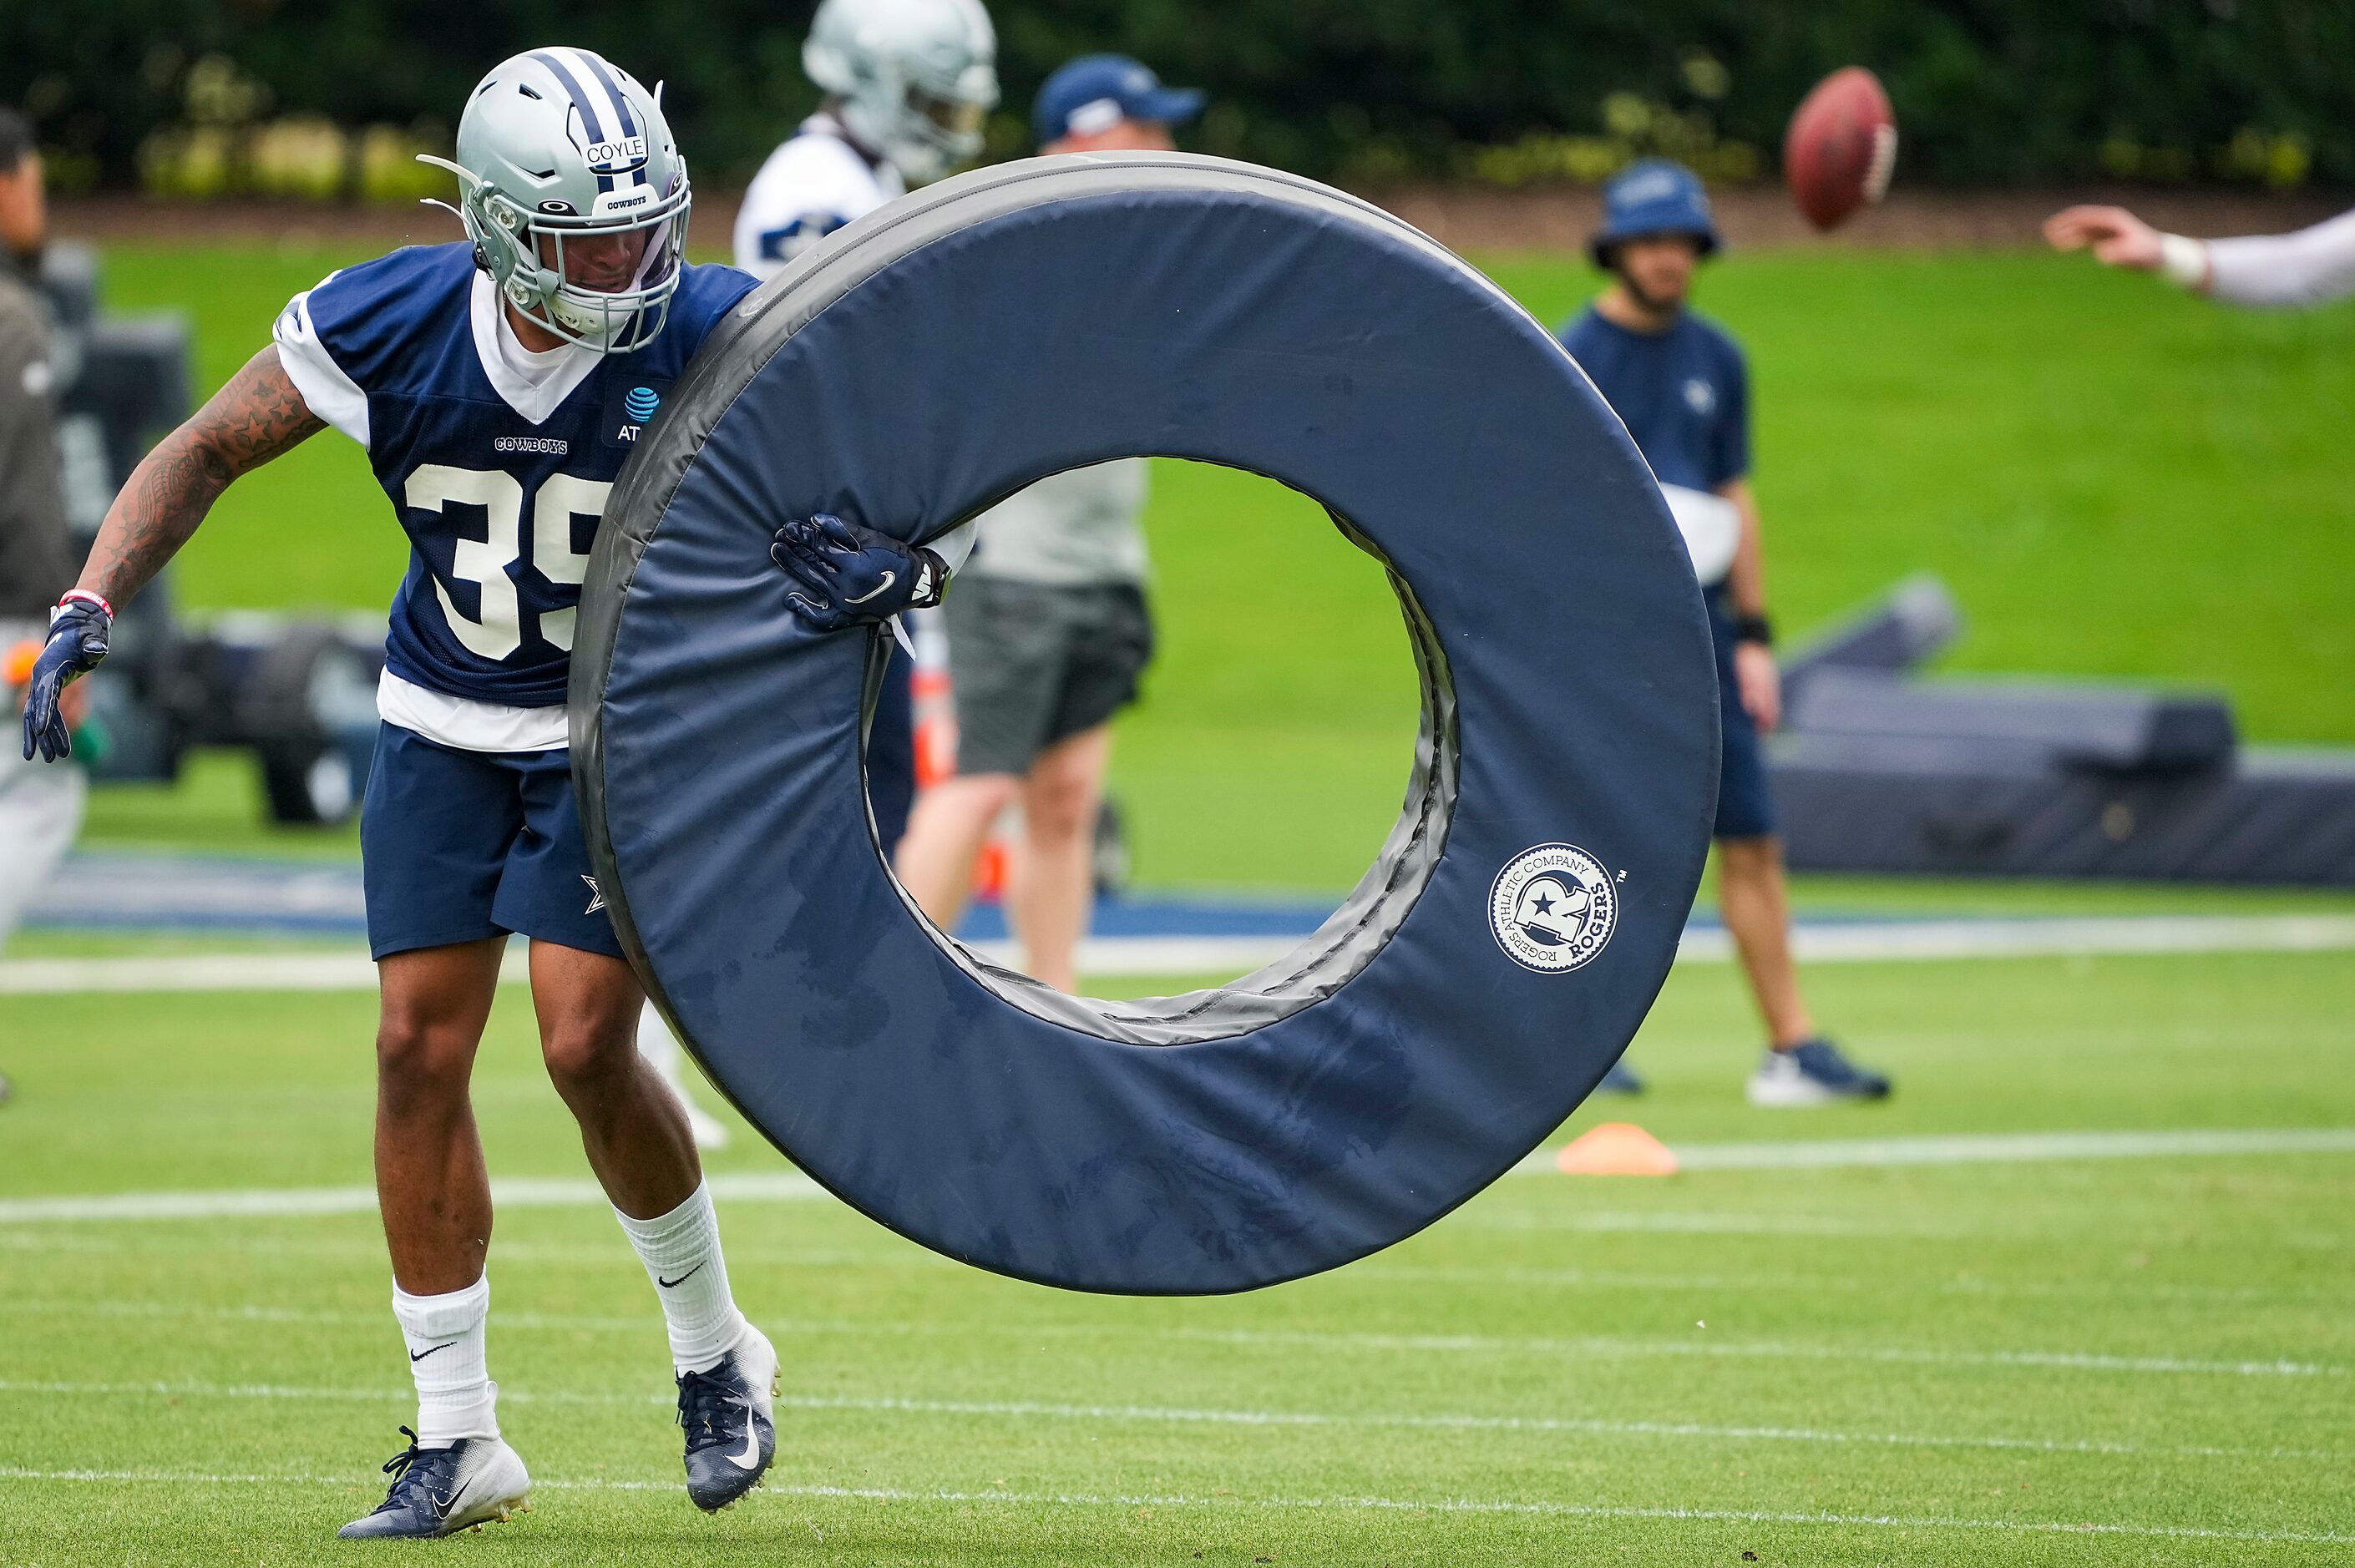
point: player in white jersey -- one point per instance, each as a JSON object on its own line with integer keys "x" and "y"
{"x": 2312, "y": 267}
{"x": 908, "y": 84}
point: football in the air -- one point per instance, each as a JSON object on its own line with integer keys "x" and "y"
{"x": 1841, "y": 147}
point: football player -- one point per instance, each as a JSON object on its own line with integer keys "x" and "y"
{"x": 496, "y": 384}
{"x": 908, "y": 85}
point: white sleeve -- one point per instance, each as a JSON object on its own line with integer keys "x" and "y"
{"x": 809, "y": 187}
{"x": 2311, "y": 267}
{"x": 955, "y": 546}
{"x": 335, "y": 398}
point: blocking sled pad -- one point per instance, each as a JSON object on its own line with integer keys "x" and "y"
{"x": 927, "y": 362}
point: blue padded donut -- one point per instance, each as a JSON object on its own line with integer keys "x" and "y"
{"x": 930, "y": 360}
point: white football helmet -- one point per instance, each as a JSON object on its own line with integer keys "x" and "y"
{"x": 917, "y": 78}
{"x": 556, "y": 146}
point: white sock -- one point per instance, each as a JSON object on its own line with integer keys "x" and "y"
{"x": 681, "y": 1252}
{"x": 658, "y": 1045}
{"x": 456, "y": 1395}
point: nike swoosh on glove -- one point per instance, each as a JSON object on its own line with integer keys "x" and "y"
{"x": 78, "y": 633}
{"x": 845, "y": 576}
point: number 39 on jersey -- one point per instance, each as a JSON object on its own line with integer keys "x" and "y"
{"x": 499, "y": 468}
{"x": 559, "y": 508}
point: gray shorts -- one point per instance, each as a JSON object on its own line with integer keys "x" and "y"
{"x": 1032, "y": 664}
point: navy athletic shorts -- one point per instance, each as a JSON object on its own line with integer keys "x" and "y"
{"x": 1745, "y": 808}
{"x": 458, "y": 845}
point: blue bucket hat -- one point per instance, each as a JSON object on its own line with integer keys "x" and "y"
{"x": 1653, "y": 196}
{"x": 1096, "y": 92}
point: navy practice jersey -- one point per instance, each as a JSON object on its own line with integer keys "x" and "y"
{"x": 1683, "y": 394}
{"x": 500, "y": 509}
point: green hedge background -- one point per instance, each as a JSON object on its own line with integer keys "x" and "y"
{"x": 1989, "y": 92}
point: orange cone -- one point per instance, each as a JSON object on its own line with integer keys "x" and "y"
{"x": 16, "y": 665}
{"x": 1616, "y": 1148}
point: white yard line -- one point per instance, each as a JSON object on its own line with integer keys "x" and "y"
{"x": 259, "y": 971}
{"x": 1588, "y": 1347}
{"x": 1879, "y": 941}
{"x": 1184, "y": 1416}
{"x": 1882, "y": 941}
{"x": 785, "y": 1186}
{"x": 1987, "y": 1148}
{"x": 1344, "y": 1504}
{"x": 274, "y": 1202}
{"x": 2012, "y": 1149}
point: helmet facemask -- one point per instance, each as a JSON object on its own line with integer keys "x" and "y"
{"x": 525, "y": 250}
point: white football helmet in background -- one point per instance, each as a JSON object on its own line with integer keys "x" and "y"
{"x": 917, "y": 78}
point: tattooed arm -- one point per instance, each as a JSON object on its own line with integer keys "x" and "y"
{"x": 253, "y": 419}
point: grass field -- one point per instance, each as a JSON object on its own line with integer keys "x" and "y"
{"x": 2028, "y": 1360}
{"x": 2127, "y": 1361}
{"x": 2117, "y": 480}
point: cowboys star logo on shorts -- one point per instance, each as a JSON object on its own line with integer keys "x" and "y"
{"x": 1553, "y": 908}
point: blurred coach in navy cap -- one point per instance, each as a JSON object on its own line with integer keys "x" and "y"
{"x": 1047, "y": 629}
{"x": 1101, "y": 104}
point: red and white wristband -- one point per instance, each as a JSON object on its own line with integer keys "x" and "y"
{"x": 82, "y": 596}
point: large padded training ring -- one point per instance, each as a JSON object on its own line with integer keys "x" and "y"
{"x": 927, "y": 362}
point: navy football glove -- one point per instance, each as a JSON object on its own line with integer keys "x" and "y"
{"x": 77, "y": 632}
{"x": 846, "y": 575}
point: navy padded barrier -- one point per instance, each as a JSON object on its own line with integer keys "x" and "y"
{"x": 933, "y": 358}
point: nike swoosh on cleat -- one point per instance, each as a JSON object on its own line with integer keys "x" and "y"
{"x": 672, "y": 1284}
{"x": 888, "y": 578}
{"x": 750, "y": 1457}
{"x": 421, "y": 1355}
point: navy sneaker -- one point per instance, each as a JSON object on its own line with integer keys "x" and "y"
{"x": 729, "y": 1414}
{"x": 1622, "y": 1079}
{"x": 1813, "y": 1073}
{"x": 440, "y": 1491}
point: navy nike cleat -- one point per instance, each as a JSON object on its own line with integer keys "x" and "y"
{"x": 440, "y": 1491}
{"x": 1622, "y": 1079}
{"x": 729, "y": 1414}
{"x": 1813, "y": 1073}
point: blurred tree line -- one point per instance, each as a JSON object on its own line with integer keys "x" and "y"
{"x": 327, "y": 97}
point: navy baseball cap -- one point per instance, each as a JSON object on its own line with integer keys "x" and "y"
{"x": 1653, "y": 196}
{"x": 1096, "y": 92}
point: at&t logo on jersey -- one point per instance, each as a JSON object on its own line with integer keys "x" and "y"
{"x": 630, "y": 407}
{"x": 1553, "y": 908}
